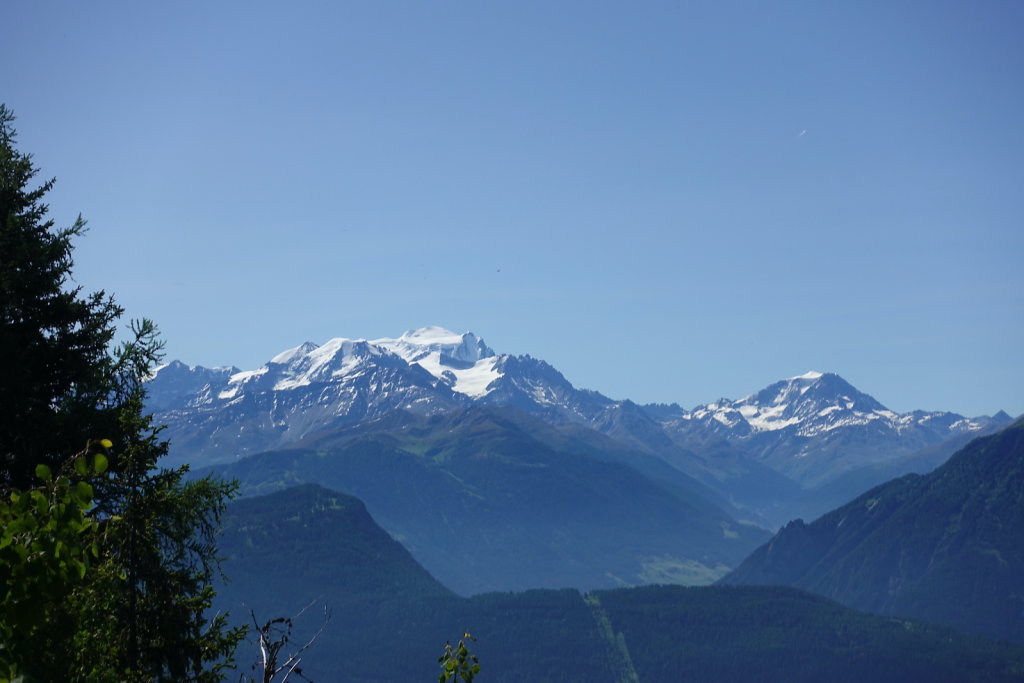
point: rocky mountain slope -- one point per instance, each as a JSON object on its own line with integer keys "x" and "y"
{"x": 768, "y": 453}
{"x": 816, "y": 427}
{"x": 947, "y": 546}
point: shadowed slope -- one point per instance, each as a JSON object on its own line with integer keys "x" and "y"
{"x": 947, "y": 546}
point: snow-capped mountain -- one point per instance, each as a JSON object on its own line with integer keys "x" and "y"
{"x": 438, "y": 345}
{"x": 816, "y": 426}
{"x": 469, "y": 367}
{"x": 299, "y": 391}
{"x": 812, "y": 428}
{"x": 811, "y": 403}
{"x": 462, "y": 361}
{"x": 216, "y": 415}
{"x": 179, "y": 383}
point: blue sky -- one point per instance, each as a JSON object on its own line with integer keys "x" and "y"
{"x": 666, "y": 201}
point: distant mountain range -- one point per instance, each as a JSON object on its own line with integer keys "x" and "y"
{"x": 496, "y": 499}
{"x": 492, "y": 472}
{"x": 795, "y": 448}
{"x": 495, "y": 473}
{"x": 217, "y": 415}
{"x": 946, "y": 546}
{"x": 816, "y": 427}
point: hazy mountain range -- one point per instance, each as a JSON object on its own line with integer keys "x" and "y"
{"x": 496, "y": 499}
{"x": 492, "y": 472}
{"x": 795, "y": 448}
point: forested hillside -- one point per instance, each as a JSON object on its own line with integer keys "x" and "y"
{"x": 947, "y": 546}
{"x": 389, "y": 618}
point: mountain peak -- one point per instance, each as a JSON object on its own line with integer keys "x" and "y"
{"x": 813, "y": 374}
{"x": 415, "y": 345}
{"x": 433, "y": 334}
{"x": 289, "y": 355}
{"x": 809, "y": 403}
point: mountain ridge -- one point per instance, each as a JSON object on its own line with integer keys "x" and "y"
{"x": 793, "y": 424}
{"x": 309, "y": 547}
{"x": 812, "y": 430}
{"x": 493, "y": 499}
{"x": 945, "y": 546}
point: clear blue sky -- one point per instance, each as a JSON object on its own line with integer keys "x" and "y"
{"x": 668, "y": 201}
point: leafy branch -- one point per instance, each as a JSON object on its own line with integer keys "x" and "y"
{"x": 458, "y": 663}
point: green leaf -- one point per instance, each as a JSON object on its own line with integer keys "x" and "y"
{"x": 83, "y": 494}
{"x": 79, "y": 567}
{"x": 44, "y": 473}
{"x": 81, "y": 468}
{"x": 100, "y": 463}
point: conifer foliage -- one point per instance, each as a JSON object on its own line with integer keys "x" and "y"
{"x": 106, "y": 560}
{"x": 56, "y": 371}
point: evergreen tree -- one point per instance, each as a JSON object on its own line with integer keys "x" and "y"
{"x": 130, "y": 605}
{"x": 55, "y": 371}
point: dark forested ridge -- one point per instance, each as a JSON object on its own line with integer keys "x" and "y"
{"x": 389, "y": 617}
{"x": 947, "y": 546}
{"x": 761, "y": 633}
{"x": 328, "y": 537}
